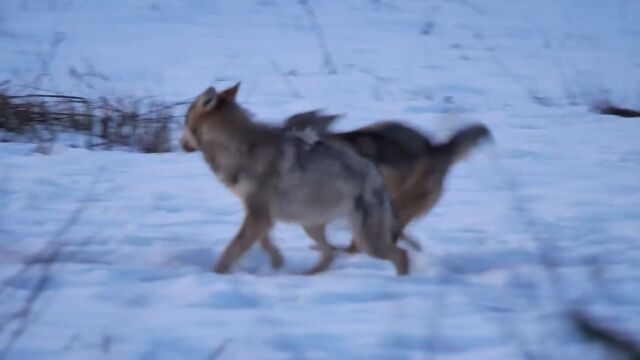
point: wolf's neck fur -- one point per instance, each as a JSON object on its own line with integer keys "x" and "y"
{"x": 238, "y": 149}
{"x": 234, "y": 123}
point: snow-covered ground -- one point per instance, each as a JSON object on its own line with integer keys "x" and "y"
{"x": 132, "y": 281}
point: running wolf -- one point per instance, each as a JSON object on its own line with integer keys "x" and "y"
{"x": 413, "y": 168}
{"x": 282, "y": 175}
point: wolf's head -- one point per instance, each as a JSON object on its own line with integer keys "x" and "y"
{"x": 208, "y": 106}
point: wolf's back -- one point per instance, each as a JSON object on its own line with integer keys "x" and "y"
{"x": 386, "y": 143}
{"x": 393, "y": 143}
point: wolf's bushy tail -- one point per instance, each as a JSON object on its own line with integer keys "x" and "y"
{"x": 462, "y": 143}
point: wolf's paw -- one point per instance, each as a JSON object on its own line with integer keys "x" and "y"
{"x": 400, "y": 259}
{"x": 221, "y": 268}
{"x": 277, "y": 261}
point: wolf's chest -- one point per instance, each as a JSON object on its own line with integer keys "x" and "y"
{"x": 234, "y": 168}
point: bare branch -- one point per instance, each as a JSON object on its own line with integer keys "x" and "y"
{"x": 43, "y": 261}
{"x": 610, "y": 109}
{"x": 219, "y": 350}
{"x": 143, "y": 124}
{"x": 610, "y": 337}
{"x": 586, "y": 324}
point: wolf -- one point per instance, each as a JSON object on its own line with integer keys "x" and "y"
{"x": 283, "y": 176}
{"x": 414, "y": 169}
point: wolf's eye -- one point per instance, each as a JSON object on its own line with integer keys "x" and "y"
{"x": 207, "y": 101}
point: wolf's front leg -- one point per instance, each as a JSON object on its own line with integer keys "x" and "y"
{"x": 317, "y": 233}
{"x": 256, "y": 225}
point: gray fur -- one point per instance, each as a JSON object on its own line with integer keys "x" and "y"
{"x": 283, "y": 176}
{"x": 413, "y": 168}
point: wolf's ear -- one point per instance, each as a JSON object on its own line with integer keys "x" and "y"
{"x": 230, "y": 93}
{"x": 208, "y": 98}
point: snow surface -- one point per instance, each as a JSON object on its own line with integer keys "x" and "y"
{"x": 132, "y": 282}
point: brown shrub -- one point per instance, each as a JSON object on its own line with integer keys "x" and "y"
{"x": 140, "y": 124}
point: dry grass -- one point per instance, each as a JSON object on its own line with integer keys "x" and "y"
{"x": 608, "y": 108}
{"x": 143, "y": 125}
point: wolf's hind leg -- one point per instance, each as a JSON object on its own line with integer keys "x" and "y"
{"x": 317, "y": 233}
{"x": 274, "y": 254}
{"x": 411, "y": 241}
{"x": 256, "y": 225}
{"x": 376, "y": 234}
{"x": 391, "y": 252}
{"x": 400, "y": 260}
{"x": 352, "y": 248}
